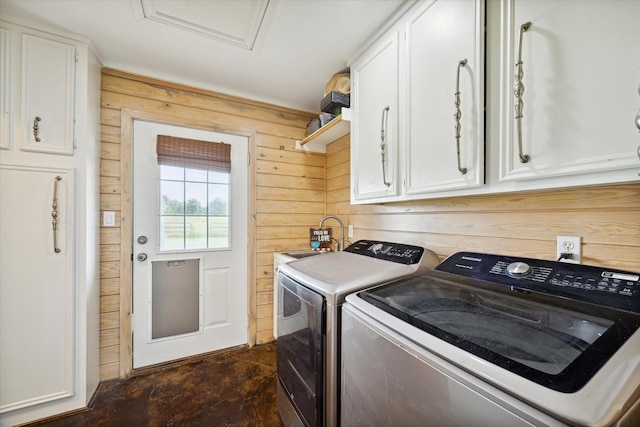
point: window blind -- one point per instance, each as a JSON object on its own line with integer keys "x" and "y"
{"x": 193, "y": 154}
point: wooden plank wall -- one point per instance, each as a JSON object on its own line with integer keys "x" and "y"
{"x": 525, "y": 224}
{"x": 288, "y": 191}
{"x": 291, "y": 194}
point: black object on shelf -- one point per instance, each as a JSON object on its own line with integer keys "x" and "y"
{"x": 334, "y": 100}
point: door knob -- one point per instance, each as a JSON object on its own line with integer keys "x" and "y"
{"x": 142, "y": 256}
{"x": 142, "y": 240}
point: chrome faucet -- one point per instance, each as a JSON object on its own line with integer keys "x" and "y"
{"x": 341, "y": 245}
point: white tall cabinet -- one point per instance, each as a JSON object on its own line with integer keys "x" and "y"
{"x": 49, "y": 212}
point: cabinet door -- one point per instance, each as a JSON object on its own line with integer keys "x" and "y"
{"x": 36, "y": 287}
{"x": 48, "y": 80}
{"x": 580, "y": 77}
{"x": 445, "y": 63}
{"x": 375, "y": 115}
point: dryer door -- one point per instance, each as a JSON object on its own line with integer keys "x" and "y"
{"x": 301, "y": 348}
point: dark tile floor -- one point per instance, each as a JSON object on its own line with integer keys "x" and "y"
{"x": 232, "y": 388}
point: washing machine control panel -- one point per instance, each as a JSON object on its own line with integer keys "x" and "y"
{"x": 395, "y": 252}
{"x": 603, "y": 286}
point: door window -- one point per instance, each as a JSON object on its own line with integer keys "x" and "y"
{"x": 194, "y": 209}
{"x": 194, "y": 193}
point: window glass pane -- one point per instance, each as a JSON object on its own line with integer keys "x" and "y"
{"x": 196, "y": 232}
{"x": 171, "y": 198}
{"x": 196, "y": 175}
{"x": 194, "y": 209}
{"x": 218, "y": 199}
{"x": 196, "y": 198}
{"x": 218, "y": 232}
{"x": 171, "y": 232}
{"x": 221, "y": 177}
{"x": 172, "y": 172}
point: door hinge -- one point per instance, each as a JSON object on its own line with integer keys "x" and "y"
{"x": 248, "y": 158}
{"x": 76, "y": 56}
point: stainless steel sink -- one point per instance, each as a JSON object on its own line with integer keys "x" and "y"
{"x": 302, "y": 254}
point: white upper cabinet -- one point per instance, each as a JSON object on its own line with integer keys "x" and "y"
{"x": 48, "y": 79}
{"x": 579, "y": 91}
{"x": 553, "y": 105}
{"x": 444, "y": 102}
{"x": 406, "y": 89}
{"x": 374, "y": 129}
{"x": 39, "y": 88}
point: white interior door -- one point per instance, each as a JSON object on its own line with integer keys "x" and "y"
{"x": 189, "y": 250}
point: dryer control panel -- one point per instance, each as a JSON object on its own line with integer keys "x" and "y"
{"x": 394, "y": 252}
{"x": 597, "y": 285}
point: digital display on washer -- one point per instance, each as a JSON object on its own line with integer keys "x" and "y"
{"x": 560, "y": 346}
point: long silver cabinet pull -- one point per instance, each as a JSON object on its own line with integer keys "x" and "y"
{"x": 519, "y": 91}
{"x": 54, "y": 214}
{"x": 383, "y": 143}
{"x": 36, "y": 129}
{"x": 638, "y": 114}
{"x": 638, "y": 126}
{"x": 458, "y": 114}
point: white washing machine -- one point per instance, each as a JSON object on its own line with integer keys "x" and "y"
{"x": 489, "y": 340}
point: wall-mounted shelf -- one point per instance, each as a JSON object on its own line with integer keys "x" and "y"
{"x": 337, "y": 128}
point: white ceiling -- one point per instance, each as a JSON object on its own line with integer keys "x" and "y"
{"x": 276, "y": 51}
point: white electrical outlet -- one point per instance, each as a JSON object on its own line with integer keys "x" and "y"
{"x": 350, "y": 230}
{"x": 569, "y": 245}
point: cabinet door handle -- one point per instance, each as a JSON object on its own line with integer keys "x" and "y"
{"x": 638, "y": 114}
{"x": 54, "y": 215}
{"x": 519, "y": 91}
{"x": 383, "y": 143}
{"x": 458, "y": 114}
{"x": 638, "y": 126}
{"x": 36, "y": 129}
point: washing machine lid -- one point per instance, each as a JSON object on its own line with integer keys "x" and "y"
{"x": 557, "y": 345}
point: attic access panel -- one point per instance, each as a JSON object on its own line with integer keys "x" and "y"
{"x": 236, "y": 22}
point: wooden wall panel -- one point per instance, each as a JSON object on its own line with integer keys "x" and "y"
{"x": 292, "y": 190}
{"x": 283, "y": 177}
{"x": 526, "y": 224}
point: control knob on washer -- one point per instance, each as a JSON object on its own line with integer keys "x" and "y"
{"x": 518, "y": 269}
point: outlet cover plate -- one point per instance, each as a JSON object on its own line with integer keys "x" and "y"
{"x": 571, "y": 244}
